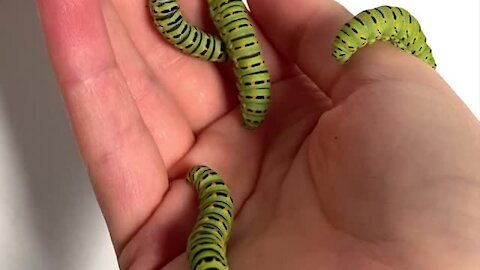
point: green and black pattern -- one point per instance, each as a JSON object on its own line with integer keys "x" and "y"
{"x": 187, "y": 38}
{"x": 207, "y": 244}
{"x": 392, "y": 24}
{"x": 238, "y": 43}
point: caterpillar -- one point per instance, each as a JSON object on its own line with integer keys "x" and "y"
{"x": 187, "y": 38}
{"x": 238, "y": 43}
{"x": 393, "y": 24}
{"x": 207, "y": 244}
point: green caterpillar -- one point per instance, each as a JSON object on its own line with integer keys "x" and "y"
{"x": 207, "y": 244}
{"x": 238, "y": 43}
{"x": 392, "y": 24}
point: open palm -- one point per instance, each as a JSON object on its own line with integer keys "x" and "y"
{"x": 370, "y": 165}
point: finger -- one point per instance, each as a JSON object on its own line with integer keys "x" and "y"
{"x": 124, "y": 164}
{"x": 194, "y": 85}
{"x": 200, "y": 90}
{"x": 166, "y": 122}
{"x": 139, "y": 24}
{"x": 164, "y": 236}
{"x": 303, "y": 32}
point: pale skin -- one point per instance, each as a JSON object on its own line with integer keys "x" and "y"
{"x": 370, "y": 165}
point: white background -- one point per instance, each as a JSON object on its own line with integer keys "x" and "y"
{"x": 49, "y": 218}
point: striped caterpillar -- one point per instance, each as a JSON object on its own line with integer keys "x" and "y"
{"x": 207, "y": 244}
{"x": 392, "y": 24}
{"x": 238, "y": 43}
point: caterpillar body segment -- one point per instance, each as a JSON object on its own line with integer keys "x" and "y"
{"x": 253, "y": 80}
{"x": 393, "y": 24}
{"x": 207, "y": 244}
{"x": 187, "y": 38}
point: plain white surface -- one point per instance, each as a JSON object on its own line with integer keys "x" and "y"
{"x": 49, "y": 218}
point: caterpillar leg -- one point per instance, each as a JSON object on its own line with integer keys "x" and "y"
{"x": 207, "y": 244}
{"x": 170, "y": 23}
{"x": 393, "y": 24}
{"x": 253, "y": 80}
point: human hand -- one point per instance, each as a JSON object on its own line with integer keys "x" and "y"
{"x": 370, "y": 165}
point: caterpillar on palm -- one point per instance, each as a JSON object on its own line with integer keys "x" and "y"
{"x": 207, "y": 244}
{"x": 392, "y": 24}
{"x": 206, "y": 247}
{"x": 238, "y": 43}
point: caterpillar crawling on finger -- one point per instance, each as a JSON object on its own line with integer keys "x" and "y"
{"x": 238, "y": 43}
{"x": 207, "y": 244}
{"x": 386, "y": 23}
